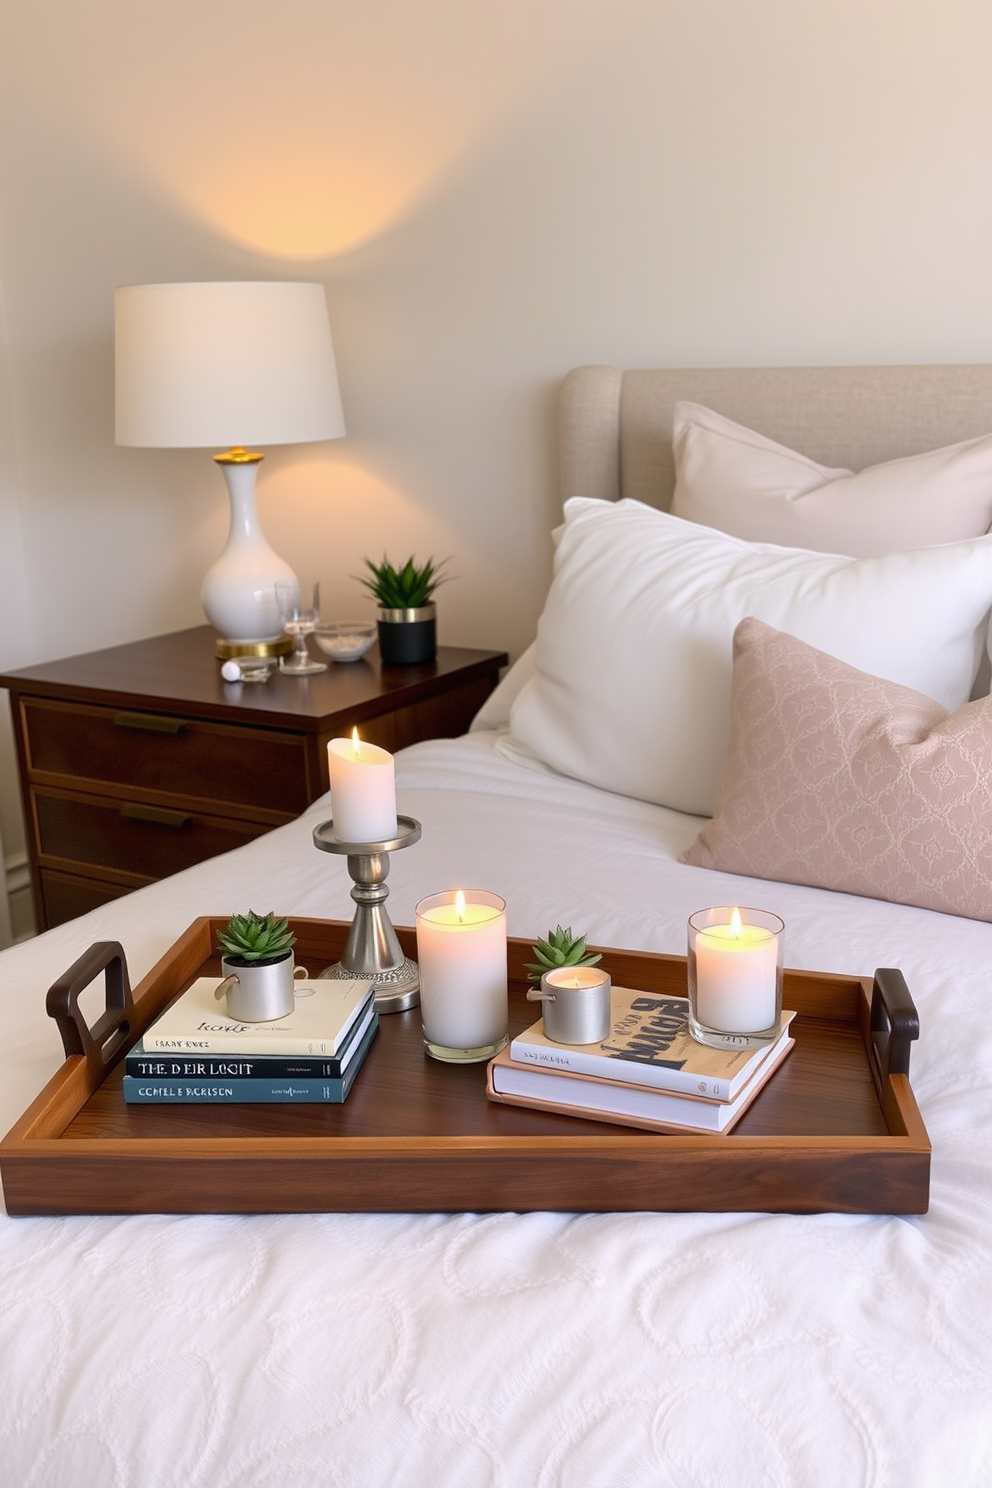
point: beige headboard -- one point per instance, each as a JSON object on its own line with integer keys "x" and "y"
{"x": 616, "y": 426}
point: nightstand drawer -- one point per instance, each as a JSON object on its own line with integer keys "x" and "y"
{"x": 151, "y": 724}
{"x": 165, "y": 756}
{"x": 134, "y": 841}
{"x": 66, "y": 895}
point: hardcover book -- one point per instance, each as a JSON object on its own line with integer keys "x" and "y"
{"x": 622, "y": 1104}
{"x": 649, "y": 1043}
{"x": 160, "y": 1065}
{"x": 317, "y": 1027}
{"x": 252, "y": 1091}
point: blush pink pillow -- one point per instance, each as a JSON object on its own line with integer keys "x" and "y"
{"x": 737, "y": 480}
{"x": 840, "y": 780}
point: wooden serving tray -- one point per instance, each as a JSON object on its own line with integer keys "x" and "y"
{"x": 836, "y": 1128}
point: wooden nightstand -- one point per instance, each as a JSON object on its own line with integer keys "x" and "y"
{"x": 138, "y": 761}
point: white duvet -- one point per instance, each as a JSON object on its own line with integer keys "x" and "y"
{"x": 449, "y": 1351}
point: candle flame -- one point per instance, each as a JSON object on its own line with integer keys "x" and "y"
{"x": 735, "y": 924}
{"x": 460, "y": 906}
{"x": 355, "y": 743}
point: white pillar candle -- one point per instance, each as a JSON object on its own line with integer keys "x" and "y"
{"x": 461, "y": 949}
{"x": 736, "y": 977}
{"x": 363, "y": 790}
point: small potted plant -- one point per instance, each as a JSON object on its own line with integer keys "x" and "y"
{"x": 407, "y": 616}
{"x": 257, "y": 962}
{"x": 561, "y": 948}
{"x": 574, "y": 996}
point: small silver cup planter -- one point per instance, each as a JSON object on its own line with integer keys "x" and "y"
{"x": 259, "y": 991}
{"x": 575, "y": 1003}
{"x": 407, "y": 637}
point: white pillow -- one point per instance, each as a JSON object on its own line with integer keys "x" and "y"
{"x": 495, "y": 711}
{"x": 632, "y": 686}
{"x": 734, "y": 479}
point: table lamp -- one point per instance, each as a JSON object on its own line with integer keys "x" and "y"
{"x": 243, "y": 364}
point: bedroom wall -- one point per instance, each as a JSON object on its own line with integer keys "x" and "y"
{"x": 490, "y": 194}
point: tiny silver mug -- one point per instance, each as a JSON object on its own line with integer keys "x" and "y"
{"x": 259, "y": 993}
{"x": 575, "y": 1002}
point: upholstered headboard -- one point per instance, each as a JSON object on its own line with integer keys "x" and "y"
{"x": 615, "y": 426}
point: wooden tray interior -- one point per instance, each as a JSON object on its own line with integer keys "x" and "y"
{"x": 824, "y": 1089}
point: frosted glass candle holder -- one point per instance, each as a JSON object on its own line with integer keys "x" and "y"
{"x": 735, "y": 976}
{"x": 461, "y": 950}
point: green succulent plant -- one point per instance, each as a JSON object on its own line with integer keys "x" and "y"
{"x": 561, "y": 948}
{"x": 254, "y": 937}
{"x": 406, "y": 588}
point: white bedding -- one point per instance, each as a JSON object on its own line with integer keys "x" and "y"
{"x": 677, "y": 1351}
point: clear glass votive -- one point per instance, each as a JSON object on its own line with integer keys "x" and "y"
{"x": 735, "y": 977}
{"x": 344, "y": 640}
{"x": 461, "y": 951}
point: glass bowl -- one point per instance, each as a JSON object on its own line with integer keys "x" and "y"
{"x": 344, "y": 640}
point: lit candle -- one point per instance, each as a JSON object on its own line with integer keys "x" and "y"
{"x": 576, "y": 977}
{"x": 575, "y": 1003}
{"x": 736, "y": 976}
{"x": 363, "y": 790}
{"x": 461, "y": 948}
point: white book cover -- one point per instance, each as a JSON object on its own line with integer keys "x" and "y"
{"x": 607, "y": 1100}
{"x": 649, "y": 1043}
{"x": 324, "y": 1012}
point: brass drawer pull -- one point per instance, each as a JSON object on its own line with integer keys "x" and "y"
{"x": 149, "y": 723}
{"x": 157, "y": 814}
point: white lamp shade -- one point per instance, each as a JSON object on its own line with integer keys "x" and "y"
{"x": 217, "y": 365}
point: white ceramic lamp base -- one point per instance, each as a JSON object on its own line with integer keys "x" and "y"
{"x": 238, "y": 594}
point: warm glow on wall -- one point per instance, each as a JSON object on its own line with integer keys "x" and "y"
{"x": 283, "y": 190}
{"x": 339, "y": 510}
{"x": 293, "y": 201}
{"x": 301, "y": 130}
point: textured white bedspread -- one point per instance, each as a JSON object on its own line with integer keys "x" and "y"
{"x": 677, "y": 1351}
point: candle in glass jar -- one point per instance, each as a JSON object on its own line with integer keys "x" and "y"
{"x": 363, "y": 790}
{"x": 461, "y": 950}
{"x": 736, "y": 976}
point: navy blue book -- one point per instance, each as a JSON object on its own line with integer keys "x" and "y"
{"x": 142, "y": 1090}
{"x": 147, "y": 1064}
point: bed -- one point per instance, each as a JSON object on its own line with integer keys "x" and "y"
{"x": 568, "y": 1349}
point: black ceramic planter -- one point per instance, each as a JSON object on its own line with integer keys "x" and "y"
{"x": 408, "y": 637}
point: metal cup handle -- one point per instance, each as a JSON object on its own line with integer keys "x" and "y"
{"x": 300, "y": 973}
{"x": 538, "y": 994}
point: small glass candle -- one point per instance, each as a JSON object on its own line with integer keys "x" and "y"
{"x": 735, "y": 976}
{"x": 461, "y": 949}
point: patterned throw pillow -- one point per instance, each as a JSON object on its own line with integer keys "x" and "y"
{"x": 840, "y": 780}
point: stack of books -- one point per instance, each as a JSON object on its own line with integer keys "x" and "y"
{"x": 648, "y": 1072}
{"x": 194, "y": 1054}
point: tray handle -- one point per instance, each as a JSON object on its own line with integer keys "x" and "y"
{"x": 111, "y": 1032}
{"x": 894, "y": 1022}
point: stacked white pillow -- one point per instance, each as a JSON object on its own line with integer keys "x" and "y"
{"x": 495, "y": 711}
{"x": 631, "y": 690}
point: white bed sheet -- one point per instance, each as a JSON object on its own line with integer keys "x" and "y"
{"x": 683, "y": 1350}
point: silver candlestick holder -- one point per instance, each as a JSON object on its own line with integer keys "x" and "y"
{"x": 373, "y": 950}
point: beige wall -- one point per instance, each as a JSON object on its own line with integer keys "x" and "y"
{"x": 491, "y": 193}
